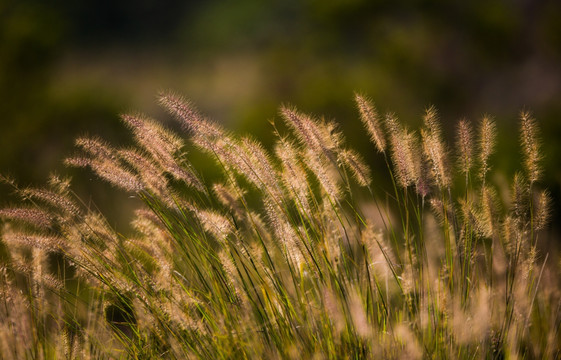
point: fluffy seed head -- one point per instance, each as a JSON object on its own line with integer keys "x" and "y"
{"x": 435, "y": 149}
{"x": 34, "y": 217}
{"x": 406, "y": 158}
{"x": 216, "y": 224}
{"x": 435, "y": 152}
{"x": 44, "y": 242}
{"x": 472, "y": 217}
{"x": 293, "y": 174}
{"x": 149, "y": 173}
{"x": 109, "y": 170}
{"x": 371, "y": 121}
{"x": 324, "y": 172}
{"x": 259, "y": 168}
{"x": 423, "y": 184}
{"x": 464, "y": 146}
{"x": 430, "y": 119}
{"x": 152, "y": 136}
{"x": 103, "y": 160}
{"x": 543, "y": 210}
{"x": 404, "y": 150}
{"x": 530, "y": 146}
{"x": 95, "y": 147}
{"x": 303, "y": 127}
{"x": 321, "y": 136}
{"x": 163, "y": 146}
{"x": 359, "y": 169}
{"x": 487, "y": 138}
{"x": 190, "y": 117}
{"x": 56, "y": 200}
{"x": 59, "y": 184}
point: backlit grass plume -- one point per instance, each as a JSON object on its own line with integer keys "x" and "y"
{"x": 298, "y": 253}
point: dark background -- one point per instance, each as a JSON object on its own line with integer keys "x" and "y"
{"x": 71, "y": 67}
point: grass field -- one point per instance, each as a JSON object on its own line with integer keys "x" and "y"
{"x": 298, "y": 253}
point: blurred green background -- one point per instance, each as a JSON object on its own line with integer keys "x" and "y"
{"x": 71, "y": 67}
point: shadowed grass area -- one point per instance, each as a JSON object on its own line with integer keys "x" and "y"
{"x": 296, "y": 254}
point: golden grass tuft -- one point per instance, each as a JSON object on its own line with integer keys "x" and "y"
{"x": 298, "y": 253}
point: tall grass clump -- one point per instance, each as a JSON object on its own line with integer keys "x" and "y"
{"x": 296, "y": 253}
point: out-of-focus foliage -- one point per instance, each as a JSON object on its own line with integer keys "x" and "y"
{"x": 68, "y": 67}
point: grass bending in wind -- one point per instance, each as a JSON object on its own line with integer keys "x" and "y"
{"x": 295, "y": 254}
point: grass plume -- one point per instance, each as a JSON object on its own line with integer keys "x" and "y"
{"x": 298, "y": 253}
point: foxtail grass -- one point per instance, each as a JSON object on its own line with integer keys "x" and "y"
{"x": 295, "y": 254}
